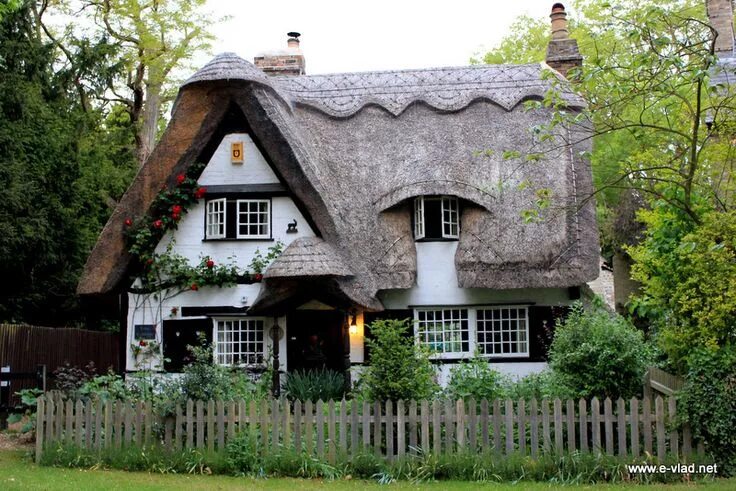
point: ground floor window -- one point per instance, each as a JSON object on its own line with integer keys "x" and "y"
{"x": 443, "y": 330}
{"x": 239, "y": 342}
{"x": 458, "y": 332}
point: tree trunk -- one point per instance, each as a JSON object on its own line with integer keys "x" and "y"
{"x": 149, "y": 127}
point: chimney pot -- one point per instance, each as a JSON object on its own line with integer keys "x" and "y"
{"x": 562, "y": 52}
{"x": 559, "y": 22}
{"x": 293, "y": 41}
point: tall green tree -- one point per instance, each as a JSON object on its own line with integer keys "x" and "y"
{"x": 60, "y": 166}
{"x": 151, "y": 40}
{"x": 663, "y": 131}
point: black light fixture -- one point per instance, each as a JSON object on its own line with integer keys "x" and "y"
{"x": 353, "y": 328}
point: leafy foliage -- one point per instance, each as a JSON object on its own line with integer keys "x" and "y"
{"x": 688, "y": 275}
{"x": 61, "y": 167}
{"x": 206, "y": 380}
{"x": 399, "y": 368}
{"x": 475, "y": 378}
{"x": 598, "y": 354}
{"x": 314, "y": 385}
{"x": 708, "y": 400}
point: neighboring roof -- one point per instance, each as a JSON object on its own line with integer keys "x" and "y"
{"x": 723, "y": 72}
{"x": 722, "y": 77}
{"x": 354, "y": 148}
{"x": 307, "y": 257}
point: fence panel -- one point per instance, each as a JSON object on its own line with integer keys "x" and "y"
{"x": 23, "y": 348}
{"x": 391, "y": 430}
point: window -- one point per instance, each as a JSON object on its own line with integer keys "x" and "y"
{"x": 494, "y": 332}
{"x": 254, "y": 218}
{"x": 228, "y": 218}
{"x": 436, "y": 217}
{"x": 503, "y": 331}
{"x": 215, "y": 228}
{"x": 239, "y": 342}
{"x": 443, "y": 331}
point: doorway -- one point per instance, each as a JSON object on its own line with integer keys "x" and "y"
{"x": 315, "y": 340}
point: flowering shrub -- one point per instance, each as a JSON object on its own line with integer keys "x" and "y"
{"x": 165, "y": 212}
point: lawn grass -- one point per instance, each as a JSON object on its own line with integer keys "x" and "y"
{"x": 17, "y": 472}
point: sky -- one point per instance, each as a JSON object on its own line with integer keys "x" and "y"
{"x": 347, "y": 36}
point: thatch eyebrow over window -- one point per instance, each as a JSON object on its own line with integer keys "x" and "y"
{"x": 436, "y": 217}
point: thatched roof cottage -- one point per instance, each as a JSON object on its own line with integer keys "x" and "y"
{"x": 411, "y": 193}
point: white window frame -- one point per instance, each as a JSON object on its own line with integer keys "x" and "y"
{"x": 444, "y": 332}
{"x": 520, "y": 313}
{"x": 238, "y": 223}
{"x": 449, "y": 216}
{"x": 216, "y": 207}
{"x": 221, "y": 355}
{"x": 419, "y": 217}
{"x": 472, "y": 320}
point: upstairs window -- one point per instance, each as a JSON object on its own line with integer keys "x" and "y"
{"x": 227, "y": 218}
{"x": 216, "y": 217}
{"x": 436, "y": 217}
{"x": 254, "y": 219}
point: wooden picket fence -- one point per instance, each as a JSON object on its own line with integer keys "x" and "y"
{"x": 393, "y": 430}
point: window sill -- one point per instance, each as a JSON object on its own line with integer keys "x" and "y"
{"x": 244, "y": 239}
{"x": 491, "y": 360}
{"x": 439, "y": 239}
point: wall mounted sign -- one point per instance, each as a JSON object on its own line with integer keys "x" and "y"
{"x": 145, "y": 331}
{"x": 236, "y": 153}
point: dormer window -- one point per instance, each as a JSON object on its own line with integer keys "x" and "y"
{"x": 436, "y": 217}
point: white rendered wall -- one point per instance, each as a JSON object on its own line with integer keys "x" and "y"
{"x": 437, "y": 285}
{"x": 188, "y": 241}
{"x": 514, "y": 370}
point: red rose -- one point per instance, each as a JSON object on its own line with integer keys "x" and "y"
{"x": 199, "y": 193}
{"x": 210, "y": 263}
{"x": 150, "y": 261}
{"x": 180, "y": 178}
{"x": 158, "y": 224}
{"x": 142, "y": 343}
{"x": 176, "y": 209}
{"x": 194, "y": 287}
{"x": 258, "y": 276}
{"x": 128, "y": 222}
{"x": 176, "y": 217}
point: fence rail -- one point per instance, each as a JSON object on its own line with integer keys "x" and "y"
{"x": 391, "y": 429}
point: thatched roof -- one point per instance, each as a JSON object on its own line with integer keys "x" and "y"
{"x": 354, "y": 148}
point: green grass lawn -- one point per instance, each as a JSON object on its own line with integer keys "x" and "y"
{"x": 17, "y": 472}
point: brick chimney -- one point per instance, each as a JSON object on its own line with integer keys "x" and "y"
{"x": 562, "y": 52}
{"x": 283, "y": 62}
{"x": 720, "y": 15}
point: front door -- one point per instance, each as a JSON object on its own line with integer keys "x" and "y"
{"x": 315, "y": 340}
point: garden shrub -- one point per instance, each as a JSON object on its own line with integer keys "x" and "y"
{"x": 708, "y": 402}
{"x": 475, "y": 378}
{"x": 205, "y": 380}
{"x": 399, "y": 368}
{"x": 598, "y": 354}
{"x": 542, "y": 385}
{"x": 313, "y": 385}
{"x": 688, "y": 277}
